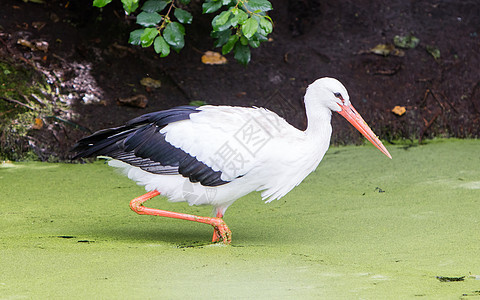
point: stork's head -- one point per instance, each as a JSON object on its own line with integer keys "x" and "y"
{"x": 331, "y": 93}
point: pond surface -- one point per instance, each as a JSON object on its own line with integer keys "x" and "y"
{"x": 361, "y": 226}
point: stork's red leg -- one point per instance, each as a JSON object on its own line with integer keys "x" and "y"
{"x": 216, "y": 237}
{"x": 221, "y": 229}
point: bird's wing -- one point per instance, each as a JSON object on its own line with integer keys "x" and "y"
{"x": 212, "y": 145}
{"x": 227, "y": 139}
{"x": 140, "y": 143}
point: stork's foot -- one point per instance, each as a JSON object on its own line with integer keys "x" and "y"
{"x": 221, "y": 232}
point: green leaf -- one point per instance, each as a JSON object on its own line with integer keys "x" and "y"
{"x": 260, "y": 37}
{"x": 232, "y": 40}
{"x": 242, "y": 53}
{"x": 221, "y": 36}
{"x": 221, "y": 19}
{"x": 197, "y": 103}
{"x": 406, "y": 42}
{"x": 101, "y": 3}
{"x": 261, "y": 31}
{"x": 258, "y": 5}
{"x": 243, "y": 40}
{"x": 154, "y": 5}
{"x": 254, "y": 42}
{"x": 239, "y": 18}
{"x": 183, "y": 16}
{"x": 185, "y": 1}
{"x": 250, "y": 28}
{"x": 174, "y": 35}
{"x": 434, "y": 51}
{"x": 148, "y": 19}
{"x": 135, "y": 37}
{"x": 130, "y": 5}
{"x": 161, "y": 46}
{"x": 212, "y": 6}
{"x": 146, "y": 39}
{"x": 226, "y": 2}
{"x": 266, "y": 25}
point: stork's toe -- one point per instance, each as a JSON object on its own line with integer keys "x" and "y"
{"x": 221, "y": 232}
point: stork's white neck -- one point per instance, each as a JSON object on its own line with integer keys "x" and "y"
{"x": 318, "y": 118}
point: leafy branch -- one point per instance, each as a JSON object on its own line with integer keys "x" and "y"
{"x": 241, "y": 25}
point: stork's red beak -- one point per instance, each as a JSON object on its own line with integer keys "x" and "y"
{"x": 352, "y": 116}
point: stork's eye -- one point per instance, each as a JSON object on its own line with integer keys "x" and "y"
{"x": 338, "y": 95}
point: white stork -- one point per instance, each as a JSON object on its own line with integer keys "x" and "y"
{"x": 217, "y": 154}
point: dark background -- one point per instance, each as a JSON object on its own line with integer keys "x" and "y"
{"x": 90, "y": 55}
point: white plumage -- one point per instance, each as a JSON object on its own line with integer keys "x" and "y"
{"x": 247, "y": 149}
{"x": 276, "y": 161}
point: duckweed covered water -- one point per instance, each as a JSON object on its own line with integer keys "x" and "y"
{"x": 361, "y": 227}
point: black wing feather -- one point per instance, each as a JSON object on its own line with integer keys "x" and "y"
{"x": 140, "y": 143}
